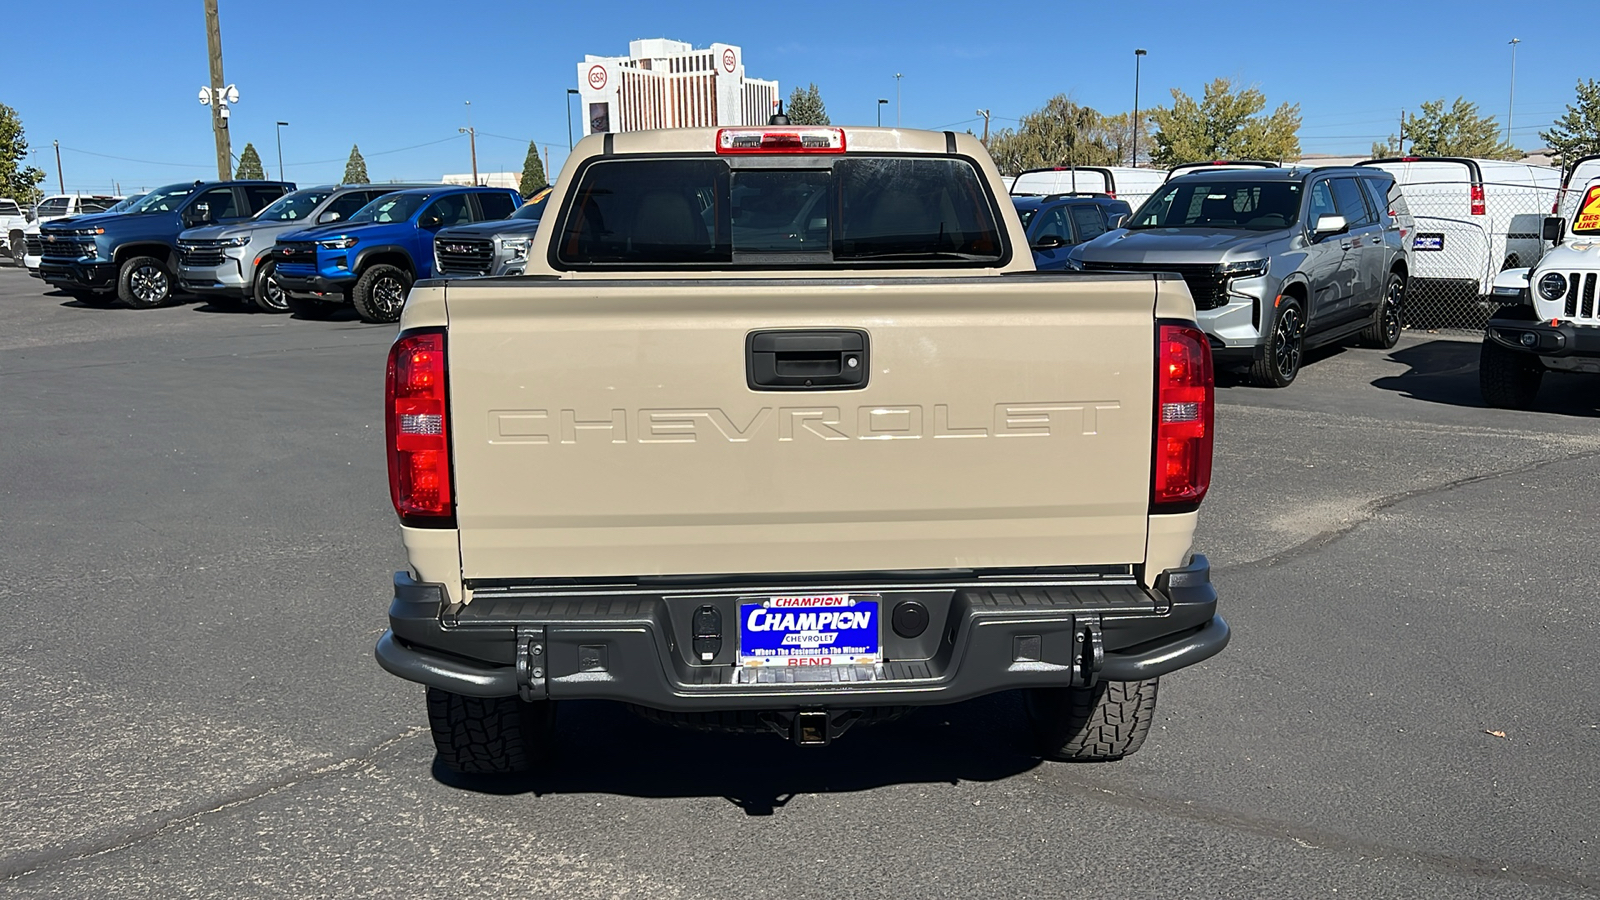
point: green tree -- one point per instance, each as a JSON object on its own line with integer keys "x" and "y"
{"x": 1061, "y": 133}
{"x": 532, "y": 173}
{"x": 806, "y": 108}
{"x": 250, "y": 164}
{"x": 1457, "y": 131}
{"x": 1119, "y": 136}
{"x": 19, "y": 182}
{"x": 355, "y": 170}
{"x": 1578, "y": 132}
{"x": 1225, "y": 124}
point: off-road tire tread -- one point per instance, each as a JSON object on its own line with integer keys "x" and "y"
{"x": 1104, "y": 722}
{"x": 1508, "y": 379}
{"x": 488, "y": 735}
{"x": 359, "y": 296}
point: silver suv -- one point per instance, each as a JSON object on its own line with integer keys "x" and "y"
{"x": 1277, "y": 259}
{"x": 234, "y": 262}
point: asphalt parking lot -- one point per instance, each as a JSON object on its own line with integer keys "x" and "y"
{"x": 197, "y": 548}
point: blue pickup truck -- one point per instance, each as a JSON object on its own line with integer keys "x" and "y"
{"x": 372, "y": 259}
{"x": 133, "y": 256}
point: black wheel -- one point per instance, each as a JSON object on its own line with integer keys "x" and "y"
{"x": 1384, "y": 332}
{"x": 144, "y": 283}
{"x": 304, "y": 308}
{"x": 1285, "y": 346}
{"x": 1107, "y": 721}
{"x": 1506, "y": 378}
{"x": 268, "y": 294}
{"x": 380, "y": 293}
{"x": 489, "y": 735}
{"x": 91, "y": 298}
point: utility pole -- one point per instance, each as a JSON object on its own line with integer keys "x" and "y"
{"x": 1511, "y": 111}
{"x": 549, "y": 178}
{"x": 985, "y": 114}
{"x": 1138, "y": 57}
{"x": 472, "y": 138}
{"x": 61, "y": 183}
{"x": 897, "y": 77}
{"x": 280, "y": 149}
{"x": 219, "y": 118}
{"x": 881, "y": 104}
{"x": 1402, "y": 132}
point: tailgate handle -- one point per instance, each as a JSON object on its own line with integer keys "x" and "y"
{"x": 806, "y": 360}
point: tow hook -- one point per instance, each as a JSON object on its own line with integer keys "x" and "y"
{"x": 810, "y": 728}
{"x": 531, "y": 663}
{"x": 1091, "y": 654}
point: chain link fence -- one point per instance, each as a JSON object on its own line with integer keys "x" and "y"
{"x": 1464, "y": 236}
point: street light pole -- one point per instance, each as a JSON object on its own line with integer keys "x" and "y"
{"x": 881, "y": 104}
{"x": 570, "y": 93}
{"x": 280, "y": 149}
{"x": 60, "y": 181}
{"x": 1138, "y": 57}
{"x": 472, "y": 139}
{"x": 1511, "y": 111}
{"x": 897, "y": 77}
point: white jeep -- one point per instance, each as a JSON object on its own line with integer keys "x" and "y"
{"x": 1553, "y": 317}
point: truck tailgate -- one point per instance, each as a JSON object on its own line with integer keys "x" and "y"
{"x": 607, "y": 427}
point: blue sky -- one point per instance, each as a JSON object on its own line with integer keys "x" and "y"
{"x": 118, "y": 79}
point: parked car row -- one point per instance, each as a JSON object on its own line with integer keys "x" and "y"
{"x": 267, "y": 245}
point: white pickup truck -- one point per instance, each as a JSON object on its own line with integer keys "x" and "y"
{"x": 1551, "y": 316}
{"x": 781, "y": 431}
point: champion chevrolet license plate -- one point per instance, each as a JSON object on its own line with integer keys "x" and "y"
{"x": 809, "y": 630}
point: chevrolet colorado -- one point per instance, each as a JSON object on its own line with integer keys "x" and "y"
{"x": 781, "y": 431}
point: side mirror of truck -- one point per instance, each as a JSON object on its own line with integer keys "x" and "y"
{"x": 1116, "y": 220}
{"x": 1049, "y": 242}
{"x": 199, "y": 214}
{"x": 431, "y": 221}
{"x": 1329, "y": 225}
{"x": 327, "y": 217}
{"x": 1554, "y": 226}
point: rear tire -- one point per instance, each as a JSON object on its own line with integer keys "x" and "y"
{"x": 303, "y": 308}
{"x": 144, "y": 282}
{"x": 1508, "y": 379}
{"x": 1384, "y": 332}
{"x": 267, "y": 293}
{"x": 380, "y": 293}
{"x": 1285, "y": 348}
{"x": 1094, "y": 724}
{"x": 489, "y": 735}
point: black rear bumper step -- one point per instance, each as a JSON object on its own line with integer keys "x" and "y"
{"x": 635, "y": 647}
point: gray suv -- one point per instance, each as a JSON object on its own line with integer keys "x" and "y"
{"x": 1277, "y": 259}
{"x": 234, "y": 262}
{"x": 495, "y": 247}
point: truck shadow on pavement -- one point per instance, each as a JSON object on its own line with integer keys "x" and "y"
{"x": 605, "y": 749}
{"x": 1446, "y": 372}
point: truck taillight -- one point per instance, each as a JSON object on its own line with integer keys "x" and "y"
{"x": 780, "y": 140}
{"x": 1183, "y": 427}
{"x": 418, "y": 430}
{"x": 1477, "y": 200}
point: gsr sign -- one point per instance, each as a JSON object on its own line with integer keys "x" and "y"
{"x": 801, "y": 423}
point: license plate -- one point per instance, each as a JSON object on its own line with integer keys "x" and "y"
{"x": 809, "y": 630}
{"x": 1428, "y": 241}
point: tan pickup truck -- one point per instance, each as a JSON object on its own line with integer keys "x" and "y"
{"x": 782, "y": 432}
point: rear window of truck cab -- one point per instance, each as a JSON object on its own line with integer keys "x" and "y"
{"x": 778, "y": 212}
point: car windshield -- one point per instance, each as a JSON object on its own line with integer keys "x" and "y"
{"x": 1204, "y": 203}
{"x": 164, "y": 199}
{"x": 292, "y": 207}
{"x": 390, "y": 208}
{"x": 126, "y": 204}
{"x": 533, "y": 210}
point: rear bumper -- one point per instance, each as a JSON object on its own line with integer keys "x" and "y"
{"x": 91, "y": 276}
{"x": 1544, "y": 339}
{"x": 633, "y": 645}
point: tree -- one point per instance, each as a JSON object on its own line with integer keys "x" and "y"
{"x": 1061, "y": 133}
{"x": 532, "y": 173}
{"x": 19, "y": 182}
{"x": 1225, "y": 124}
{"x": 1578, "y": 132}
{"x": 1119, "y": 135}
{"x": 1457, "y": 131}
{"x": 355, "y": 170}
{"x": 250, "y": 164}
{"x": 805, "y": 107}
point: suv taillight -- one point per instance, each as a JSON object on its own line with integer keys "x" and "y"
{"x": 418, "y": 430}
{"x": 1183, "y": 429}
{"x": 1477, "y": 200}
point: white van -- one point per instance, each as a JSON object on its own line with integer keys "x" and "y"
{"x": 1122, "y": 182}
{"x": 1220, "y": 165}
{"x": 1475, "y": 217}
{"x": 1581, "y": 175}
